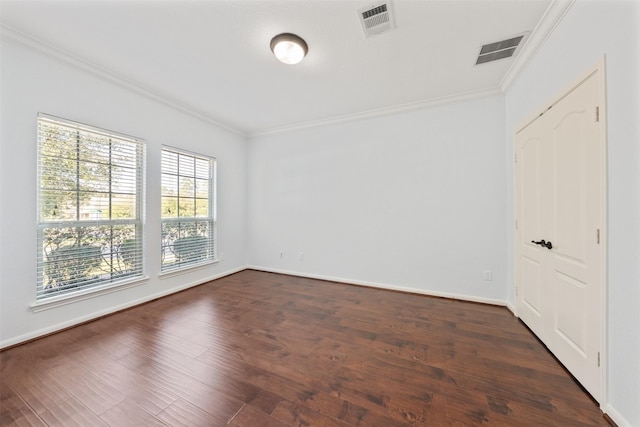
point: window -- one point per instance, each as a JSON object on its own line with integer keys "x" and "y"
{"x": 90, "y": 231}
{"x": 188, "y": 209}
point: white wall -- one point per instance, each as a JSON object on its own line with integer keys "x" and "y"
{"x": 32, "y": 83}
{"x": 413, "y": 200}
{"x": 590, "y": 30}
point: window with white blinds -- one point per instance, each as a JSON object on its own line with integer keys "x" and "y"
{"x": 188, "y": 209}
{"x": 90, "y": 203}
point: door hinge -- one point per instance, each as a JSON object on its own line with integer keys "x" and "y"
{"x": 597, "y": 114}
{"x": 598, "y": 359}
{"x": 598, "y": 235}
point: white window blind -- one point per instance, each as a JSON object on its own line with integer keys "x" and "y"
{"x": 90, "y": 229}
{"x": 188, "y": 209}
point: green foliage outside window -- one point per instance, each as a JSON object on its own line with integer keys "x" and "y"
{"x": 90, "y": 229}
{"x": 187, "y": 209}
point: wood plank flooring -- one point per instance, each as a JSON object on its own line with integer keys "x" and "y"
{"x": 258, "y": 349}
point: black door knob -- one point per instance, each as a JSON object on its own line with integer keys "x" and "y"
{"x": 542, "y": 242}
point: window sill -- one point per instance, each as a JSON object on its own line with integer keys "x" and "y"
{"x": 186, "y": 269}
{"x": 86, "y": 294}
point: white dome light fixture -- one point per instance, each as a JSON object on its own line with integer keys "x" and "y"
{"x": 289, "y": 48}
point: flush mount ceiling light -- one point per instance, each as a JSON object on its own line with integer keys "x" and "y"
{"x": 289, "y": 48}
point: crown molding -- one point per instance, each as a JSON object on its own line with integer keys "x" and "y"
{"x": 9, "y": 33}
{"x": 429, "y": 103}
{"x": 552, "y": 16}
{"x": 550, "y": 20}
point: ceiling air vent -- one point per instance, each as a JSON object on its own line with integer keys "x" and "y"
{"x": 499, "y": 50}
{"x": 376, "y": 19}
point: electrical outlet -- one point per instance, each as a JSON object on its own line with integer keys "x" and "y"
{"x": 281, "y": 254}
{"x": 488, "y": 275}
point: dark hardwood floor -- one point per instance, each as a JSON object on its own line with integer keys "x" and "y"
{"x": 258, "y": 349}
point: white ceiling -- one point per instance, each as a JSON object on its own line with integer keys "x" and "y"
{"x": 212, "y": 58}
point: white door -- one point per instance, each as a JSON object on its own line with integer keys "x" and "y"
{"x": 532, "y": 147}
{"x": 560, "y": 255}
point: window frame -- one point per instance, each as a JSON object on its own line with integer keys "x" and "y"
{"x": 210, "y": 219}
{"x": 136, "y": 274}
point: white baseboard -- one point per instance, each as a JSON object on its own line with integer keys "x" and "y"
{"x": 461, "y": 297}
{"x": 616, "y": 417}
{"x": 512, "y": 308}
{"x": 79, "y": 320}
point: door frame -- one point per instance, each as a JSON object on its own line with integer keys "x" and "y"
{"x": 599, "y": 69}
